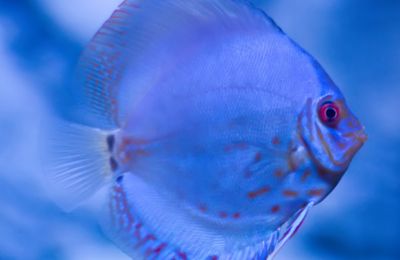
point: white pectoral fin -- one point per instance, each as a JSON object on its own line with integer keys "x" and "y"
{"x": 289, "y": 229}
{"x": 76, "y": 162}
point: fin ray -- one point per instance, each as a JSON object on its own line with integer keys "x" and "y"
{"x": 76, "y": 162}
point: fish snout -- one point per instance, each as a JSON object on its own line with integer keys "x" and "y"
{"x": 361, "y": 136}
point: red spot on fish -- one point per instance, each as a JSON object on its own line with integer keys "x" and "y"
{"x": 126, "y": 157}
{"x": 146, "y": 239}
{"x": 115, "y": 22}
{"x": 214, "y": 257}
{"x": 132, "y": 5}
{"x": 276, "y": 140}
{"x": 133, "y": 141}
{"x": 275, "y": 208}
{"x": 182, "y": 255}
{"x": 137, "y": 232}
{"x": 236, "y": 215}
{"x": 223, "y": 214}
{"x": 290, "y": 193}
{"x": 259, "y": 192}
{"x": 121, "y": 12}
{"x": 315, "y": 192}
{"x": 293, "y": 163}
{"x": 279, "y": 173}
{"x": 113, "y": 164}
{"x": 341, "y": 145}
{"x": 142, "y": 152}
{"x": 258, "y": 157}
{"x": 159, "y": 248}
{"x": 113, "y": 29}
{"x": 121, "y": 209}
{"x": 117, "y": 189}
{"x": 306, "y": 174}
{"x": 203, "y": 208}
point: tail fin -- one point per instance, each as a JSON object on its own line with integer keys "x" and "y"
{"x": 76, "y": 162}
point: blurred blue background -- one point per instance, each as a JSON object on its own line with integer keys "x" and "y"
{"x": 357, "y": 42}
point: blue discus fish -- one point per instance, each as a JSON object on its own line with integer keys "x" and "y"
{"x": 214, "y": 130}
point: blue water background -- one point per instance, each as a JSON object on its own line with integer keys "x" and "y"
{"x": 357, "y": 41}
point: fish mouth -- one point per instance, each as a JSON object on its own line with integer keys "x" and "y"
{"x": 361, "y": 136}
{"x": 358, "y": 138}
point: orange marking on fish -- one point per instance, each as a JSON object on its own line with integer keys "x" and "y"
{"x": 146, "y": 239}
{"x": 258, "y": 157}
{"x": 141, "y": 152}
{"x": 236, "y": 215}
{"x": 118, "y": 189}
{"x": 293, "y": 163}
{"x": 124, "y": 211}
{"x": 259, "y": 192}
{"x": 158, "y": 249}
{"x": 341, "y": 145}
{"x": 137, "y": 233}
{"x": 134, "y": 141}
{"x": 276, "y": 140}
{"x": 121, "y": 11}
{"x": 275, "y": 208}
{"x": 182, "y": 255}
{"x": 351, "y": 124}
{"x": 110, "y": 71}
{"x": 95, "y": 65}
{"x": 290, "y": 193}
{"x": 136, "y": 6}
{"x": 137, "y": 141}
{"x": 112, "y": 29}
{"x": 115, "y": 22}
{"x": 203, "y": 208}
{"x": 315, "y": 192}
{"x": 279, "y": 173}
{"x": 98, "y": 34}
{"x": 113, "y": 164}
{"x": 223, "y": 214}
{"x": 306, "y": 174}
{"x": 126, "y": 157}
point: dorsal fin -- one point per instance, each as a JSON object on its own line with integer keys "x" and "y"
{"x": 100, "y": 69}
{"x": 137, "y": 45}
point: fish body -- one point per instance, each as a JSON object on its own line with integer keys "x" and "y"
{"x": 215, "y": 131}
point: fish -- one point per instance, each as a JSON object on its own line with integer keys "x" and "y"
{"x": 213, "y": 131}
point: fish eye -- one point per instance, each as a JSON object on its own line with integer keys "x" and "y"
{"x": 329, "y": 113}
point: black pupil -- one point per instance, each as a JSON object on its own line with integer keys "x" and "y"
{"x": 331, "y": 113}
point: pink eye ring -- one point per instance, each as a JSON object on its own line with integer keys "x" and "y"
{"x": 329, "y": 113}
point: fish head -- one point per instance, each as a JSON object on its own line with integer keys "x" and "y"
{"x": 330, "y": 132}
